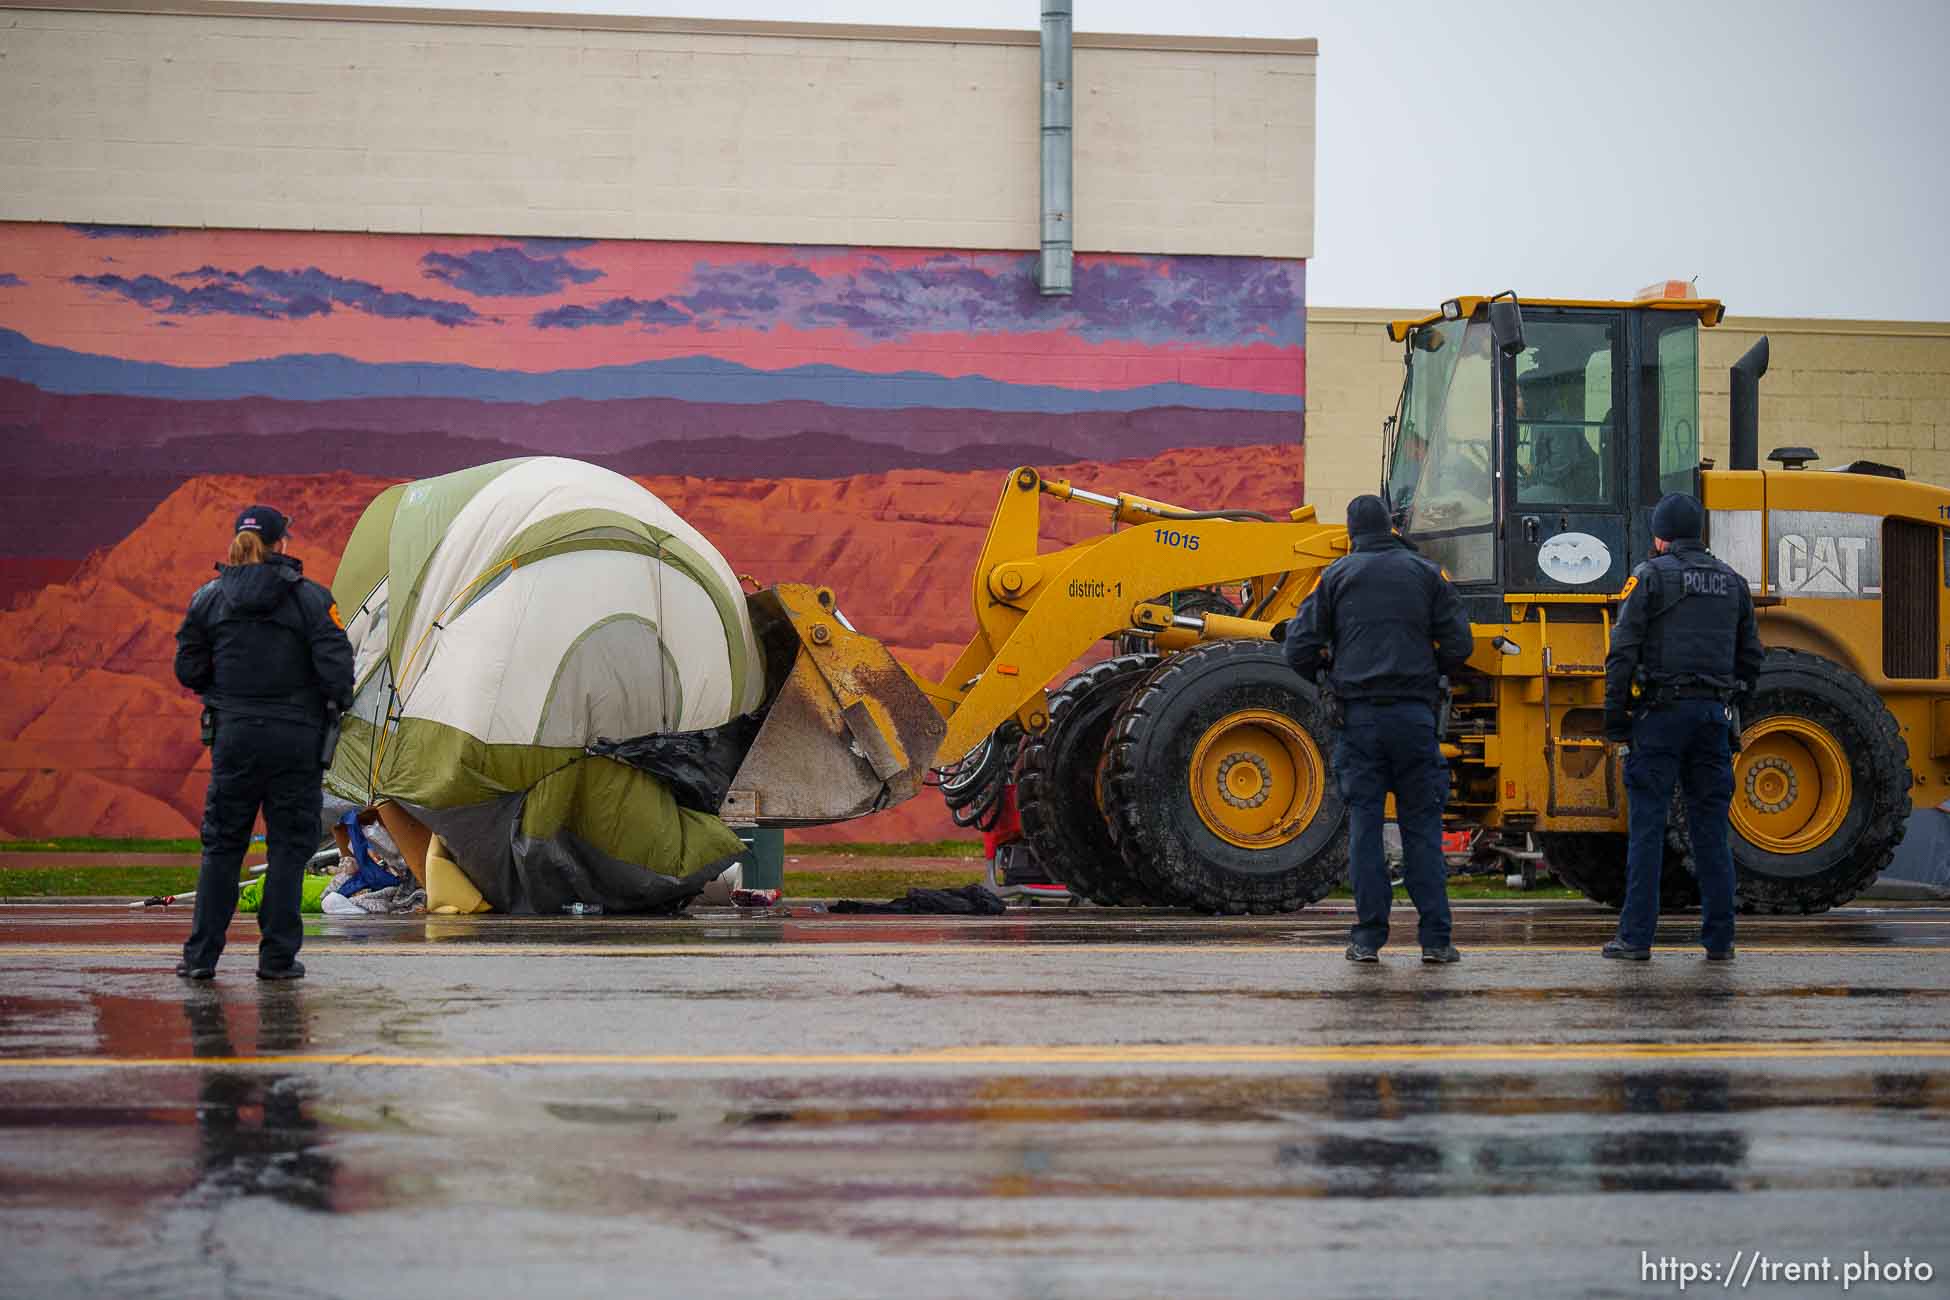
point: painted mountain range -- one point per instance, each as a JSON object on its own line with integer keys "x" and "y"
{"x": 704, "y": 379}
{"x": 132, "y": 358}
{"x": 832, "y": 414}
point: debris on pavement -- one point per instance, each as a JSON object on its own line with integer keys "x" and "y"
{"x": 969, "y": 900}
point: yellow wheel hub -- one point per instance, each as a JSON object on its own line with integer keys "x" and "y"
{"x": 1791, "y": 785}
{"x": 1257, "y": 778}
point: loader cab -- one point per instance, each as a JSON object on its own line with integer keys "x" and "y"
{"x": 1531, "y": 439}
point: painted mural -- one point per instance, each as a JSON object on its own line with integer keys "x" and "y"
{"x": 836, "y": 414}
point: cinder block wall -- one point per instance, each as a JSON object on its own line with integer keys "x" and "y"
{"x": 327, "y": 117}
{"x": 1852, "y": 390}
{"x": 1353, "y": 377}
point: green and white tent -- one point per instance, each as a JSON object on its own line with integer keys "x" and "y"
{"x": 506, "y": 618}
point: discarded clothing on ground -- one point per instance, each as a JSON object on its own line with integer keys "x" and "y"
{"x": 506, "y": 618}
{"x": 392, "y": 900}
{"x": 969, "y": 900}
{"x": 366, "y": 873}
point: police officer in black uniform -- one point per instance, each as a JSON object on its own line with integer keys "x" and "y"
{"x": 266, "y": 650}
{"x": 1393, "y": 626}
{"x": 1683, "y": 650}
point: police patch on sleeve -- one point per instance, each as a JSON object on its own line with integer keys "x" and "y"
{"x": 1625, "y": 592}
{"x": 333, "y": 612}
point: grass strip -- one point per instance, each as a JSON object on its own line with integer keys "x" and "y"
{"x": 96, "y": 882}
{"x": 864, "y": 884}
{"x": 97, "y": 844}
{"x": 920, "y": 849}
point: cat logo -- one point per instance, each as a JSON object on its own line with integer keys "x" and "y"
{"x": 1821, "y": 566}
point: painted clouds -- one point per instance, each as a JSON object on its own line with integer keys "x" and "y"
{"x": 210, "y": 298}
{"x": 269, "y": 294}
{"x": 506, "y": 273}
{"x": 1199, "y": 300}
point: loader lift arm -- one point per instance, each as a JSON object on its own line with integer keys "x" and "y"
{"x": 850, "y": 731}
{"x": 1036, "y": 613}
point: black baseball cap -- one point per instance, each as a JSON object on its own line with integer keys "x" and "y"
{"x": 269, "y": 523}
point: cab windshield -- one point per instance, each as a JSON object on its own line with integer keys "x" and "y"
{"x": 1440, "y": 479}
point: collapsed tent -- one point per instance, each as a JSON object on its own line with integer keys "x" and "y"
{"x": 504, "y": 620}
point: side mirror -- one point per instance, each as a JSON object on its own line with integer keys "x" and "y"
{"x": 1506, "y": 324}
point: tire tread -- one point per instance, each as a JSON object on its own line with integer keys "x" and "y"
{"x": 1886, "y": 820}
{"x": 1109, "y": 883}
{"x": 1127, "y": 801}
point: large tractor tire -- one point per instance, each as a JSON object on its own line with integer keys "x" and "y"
{"x": 1820, "y": 787}
{"x": 1220, "y": 788}
{"x": 1594, "y": 865}
{"x": 1056, "y": 784}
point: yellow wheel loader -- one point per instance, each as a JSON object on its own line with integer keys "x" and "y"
{"x": 1528, "y": 444}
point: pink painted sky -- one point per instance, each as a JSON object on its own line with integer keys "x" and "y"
{"x": 1230, "y": 323}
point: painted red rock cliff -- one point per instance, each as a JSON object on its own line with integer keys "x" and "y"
{"x": 96, "y": 738}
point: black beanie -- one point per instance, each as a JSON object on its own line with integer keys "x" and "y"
{"x": 1367, "y": 517}
{"x": 1677, "y": 518}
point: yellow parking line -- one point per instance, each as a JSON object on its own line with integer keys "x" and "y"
{"x": 1053, "y": 1055}
{"x": 1011, "y": 947}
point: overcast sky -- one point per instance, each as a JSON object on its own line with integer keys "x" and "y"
{"x": 1795, "y": 156}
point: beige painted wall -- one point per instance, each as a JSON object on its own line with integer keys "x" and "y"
{"x": 1868, "y": 390}
{"x": 244, "y": 115}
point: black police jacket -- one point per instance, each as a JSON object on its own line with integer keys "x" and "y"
{"x": 1392, "y": 622}
{"x": 262, "y": 640}
{"x": 1688, "y": 624}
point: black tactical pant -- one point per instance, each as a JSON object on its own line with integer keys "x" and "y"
{"x": 1685, "y": 741}
{"x": 1392, "y": 749}
{"x": 257, "y": 763}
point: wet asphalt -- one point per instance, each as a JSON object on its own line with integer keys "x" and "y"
{"x": 1052, "y": 1103}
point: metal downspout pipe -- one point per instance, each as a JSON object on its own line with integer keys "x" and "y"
{"x": 1053, "y": 274}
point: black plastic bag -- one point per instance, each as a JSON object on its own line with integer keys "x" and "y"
{"x": 523, "y": 875}
{"x": 698, "y": 766}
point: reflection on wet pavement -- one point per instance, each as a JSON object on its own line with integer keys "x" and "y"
{"x": 601, "y": 1142}
{"x": 1497, "y": 926}
{"x": 256, "y": 1139}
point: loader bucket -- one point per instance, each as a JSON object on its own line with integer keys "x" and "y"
{"x": 846, "y": 733}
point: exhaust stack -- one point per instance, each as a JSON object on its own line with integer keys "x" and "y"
{"x": 1743, "y": 407}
